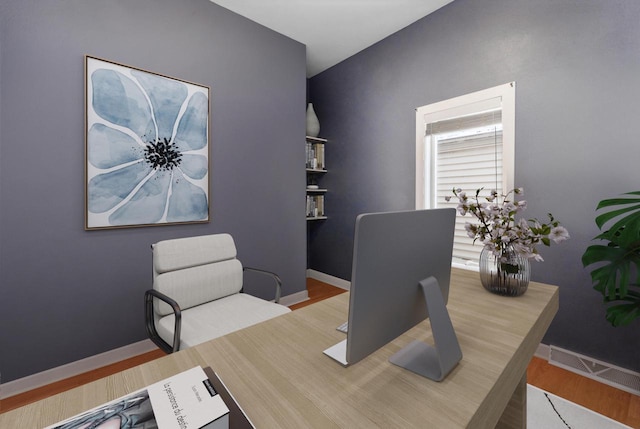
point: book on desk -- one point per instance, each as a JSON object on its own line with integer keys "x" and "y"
{"x": 195, "y": 398}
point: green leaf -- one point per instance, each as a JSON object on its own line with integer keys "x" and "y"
{"x": 623, "y": 314}
{"x": 617, "y": 201}
{"x": 627, "y": 310}
{"x": 631, "y": 296}
{"x": 605, "y": 217}
{"x": 627, "y": 230}
{"x": 612, "y": 278}
{"x": 624, "y": 279}
{"x": 619, "y": 258}
{"x": 605, "y": 281}
{"x": 598, "y": 253}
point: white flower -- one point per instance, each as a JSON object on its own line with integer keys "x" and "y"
{"x": 499, "y": 229}
{"x": 471, "y": 229}
{"x": 559, "y": 234}
{"x": 509, "y": 207}
{"x": 147, "y": 149}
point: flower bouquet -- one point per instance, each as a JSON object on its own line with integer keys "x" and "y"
{"x": 509, "y": 243}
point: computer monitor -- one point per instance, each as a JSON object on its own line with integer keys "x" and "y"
{"x": 400, "y": 276}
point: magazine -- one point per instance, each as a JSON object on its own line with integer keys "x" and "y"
{"x": 187, "y": 400}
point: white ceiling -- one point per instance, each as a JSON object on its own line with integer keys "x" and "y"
{"x": 333, "y": 30}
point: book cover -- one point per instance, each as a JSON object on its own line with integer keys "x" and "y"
{"x": 237, "y": 417}
{"x": 187, "y": 400}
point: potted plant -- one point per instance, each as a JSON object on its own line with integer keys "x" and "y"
{"x": 617, "y": 261}
{"x": 508, "y": 243}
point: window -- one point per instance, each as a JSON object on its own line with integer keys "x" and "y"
{"x": 465, "y": 142}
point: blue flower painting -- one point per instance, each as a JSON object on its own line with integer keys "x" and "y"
{"x": 147, "y": 148}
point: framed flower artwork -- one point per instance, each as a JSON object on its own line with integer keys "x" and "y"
{"x": 147, "y": 148}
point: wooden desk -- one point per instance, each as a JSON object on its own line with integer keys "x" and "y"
{"x": 279, "y": 375}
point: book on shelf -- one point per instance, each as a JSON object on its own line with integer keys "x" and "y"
{"x": 192, "y": 399}
{"x": 315, "y": 205}
{"x": 320, "y": 205}
{"x": 310, "y": 206}
{"x": 309, "y": 155}
{"x": 315, "y": 156}
{"x": 319, "y": 149}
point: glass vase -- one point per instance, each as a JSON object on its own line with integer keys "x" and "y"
{"x": 507, "y": 275}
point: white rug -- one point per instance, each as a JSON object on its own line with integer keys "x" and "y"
{"x": 548, "y": 411}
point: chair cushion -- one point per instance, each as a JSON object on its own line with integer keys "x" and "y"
{"x": 197, "y": 285}
{"x": 179, "y": 253}
{"x": 217, "y": 318}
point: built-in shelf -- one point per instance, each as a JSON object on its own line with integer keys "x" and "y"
{"x": 316, "y": 168}
{"x": 316, "y": 139}
{"x": 317, "y": 218}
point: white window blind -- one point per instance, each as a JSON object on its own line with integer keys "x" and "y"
{"x": 467, "y": 154}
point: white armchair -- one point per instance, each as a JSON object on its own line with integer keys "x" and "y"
{"x": 197, "y": 293}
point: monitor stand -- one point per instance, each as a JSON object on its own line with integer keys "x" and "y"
{"x": 428, "y": 361}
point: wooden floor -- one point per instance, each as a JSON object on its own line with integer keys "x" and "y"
{"x": 601, "y": 398}
{"x": 317, "y": 292}
{"x": 613, "y": 403}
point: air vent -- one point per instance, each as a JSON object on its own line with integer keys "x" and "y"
{"x": 603, "y": 372}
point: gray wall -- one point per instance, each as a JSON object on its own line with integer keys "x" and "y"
{"x": 65, "y": 293}
{"x": 577, "y": 68}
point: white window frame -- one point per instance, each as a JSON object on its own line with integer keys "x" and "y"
{"x": 458, "y": 106}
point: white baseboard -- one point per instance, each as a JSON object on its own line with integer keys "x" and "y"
{"x": 326, "y": 278}
{"x": 294, "y": 298}
{"x": 74, "y": 368}
{"x": 603, "y": 372}
{"x": 543, "y": 351}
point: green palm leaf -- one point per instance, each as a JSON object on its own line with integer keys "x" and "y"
{"x": 619, "y": 259}
{"x": 623, "y": 314}
{"x": 607, "y": 277}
